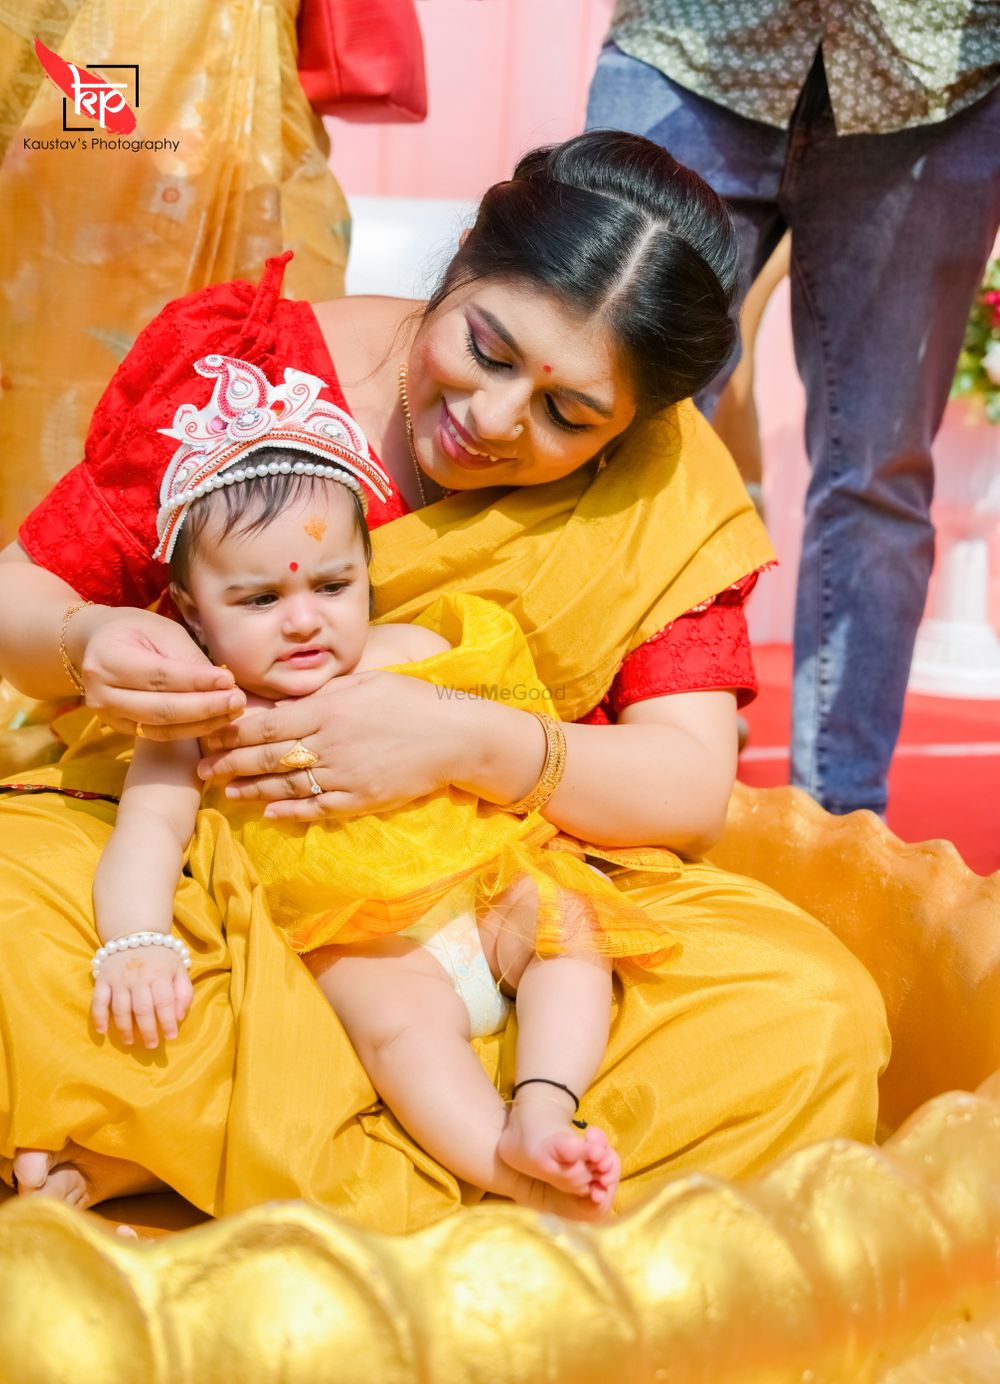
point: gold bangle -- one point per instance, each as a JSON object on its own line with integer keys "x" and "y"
{"x": 552, "y": 769}
{"x": 67, "y": 662}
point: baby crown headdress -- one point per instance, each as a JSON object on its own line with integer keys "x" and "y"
{"x": 246, "y": 414}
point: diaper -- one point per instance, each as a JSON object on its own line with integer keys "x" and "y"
{"x": 458, "y": 947}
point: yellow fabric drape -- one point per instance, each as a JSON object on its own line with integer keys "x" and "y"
{"x": 592, "y": 565}
{"x": 761, "y": 1036}
{"x": 94, "y": 241}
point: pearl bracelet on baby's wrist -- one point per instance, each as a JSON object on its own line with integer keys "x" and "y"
{"x": 139, "y": 939}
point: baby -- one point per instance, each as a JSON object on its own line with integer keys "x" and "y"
{"x": 416, "y": 923}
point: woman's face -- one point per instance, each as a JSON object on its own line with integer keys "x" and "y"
{"x": 507, "y": 386}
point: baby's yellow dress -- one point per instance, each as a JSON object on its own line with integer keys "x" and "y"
{"x": 449, "y": 853}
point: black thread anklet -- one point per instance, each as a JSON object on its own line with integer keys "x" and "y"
{"x": 546, "y": 1081}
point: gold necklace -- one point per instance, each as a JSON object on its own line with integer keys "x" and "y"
{"x": 408, "y": 421}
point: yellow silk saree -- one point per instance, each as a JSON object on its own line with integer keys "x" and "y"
{"x": 760, "y": 1034}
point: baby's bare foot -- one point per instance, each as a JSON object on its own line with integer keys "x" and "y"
{"x": 42, "y": 1174}
{"x": 78, "y": 1176}
{"x": 540, "y": 1141}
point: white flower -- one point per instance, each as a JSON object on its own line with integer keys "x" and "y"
{"x": 991, "y": 362}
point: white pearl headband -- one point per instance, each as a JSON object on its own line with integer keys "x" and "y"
{"x": 271, "y": 468}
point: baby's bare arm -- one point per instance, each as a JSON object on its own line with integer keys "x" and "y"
{"x": 134, "y": 890}
{"x": 392, "y": 644}
{"x": 138, "y": 872}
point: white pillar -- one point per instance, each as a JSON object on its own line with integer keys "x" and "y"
{"x": 957, "y": 652}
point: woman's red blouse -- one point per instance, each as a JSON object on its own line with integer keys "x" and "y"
{"x": 97, "y": 527}
{"x": 706, "y": 650}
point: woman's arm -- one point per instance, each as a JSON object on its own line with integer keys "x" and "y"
{"x": 662, "y": 776}
{"x": 137, "y": 667}
{"x": 32, "y": 605}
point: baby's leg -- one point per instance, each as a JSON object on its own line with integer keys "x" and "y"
{"x": 563, "y": 1015}
{"x": 411, "y": 1031}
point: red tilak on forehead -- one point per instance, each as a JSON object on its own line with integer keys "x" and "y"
{"x": 293, "y": 567}
{"x": 547, "y": 369}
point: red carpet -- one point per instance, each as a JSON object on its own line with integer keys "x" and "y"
{"x": 945, "y": 778}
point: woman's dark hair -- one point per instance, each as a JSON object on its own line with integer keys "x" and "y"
{"x": 250, "y": 505}
{"x": 609, "y": 222}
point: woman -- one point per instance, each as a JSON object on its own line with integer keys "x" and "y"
{"x": 538, "y": 385}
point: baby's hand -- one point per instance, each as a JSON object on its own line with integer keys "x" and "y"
{"x": 148, "y": 984}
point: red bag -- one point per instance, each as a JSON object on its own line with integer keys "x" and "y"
{"x": 363, "y": 59}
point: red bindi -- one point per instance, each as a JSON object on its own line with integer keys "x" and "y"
{"x": 293, "y": 567}
{"x": 547, "y": 369}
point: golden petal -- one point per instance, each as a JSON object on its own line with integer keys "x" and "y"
{"x": 916, "y": 916}
{"x": 72, "y": 1306}
{"x": 842, "y": 1262}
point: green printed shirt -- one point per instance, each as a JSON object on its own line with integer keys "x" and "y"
{"x": 890, "y": 64}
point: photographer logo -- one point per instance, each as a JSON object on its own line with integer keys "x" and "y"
{"x": 87, "y": 96}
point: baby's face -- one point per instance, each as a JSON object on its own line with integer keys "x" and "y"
{"x": 284, "y": 608}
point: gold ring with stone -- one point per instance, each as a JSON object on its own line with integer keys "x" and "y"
{"x": 298, "y": 757}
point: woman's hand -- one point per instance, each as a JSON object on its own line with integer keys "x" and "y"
{"x": 381, "y": 739}
{"x": 140, "y": 668}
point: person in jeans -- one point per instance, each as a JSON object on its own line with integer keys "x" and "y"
{"x": 872, "y": 132}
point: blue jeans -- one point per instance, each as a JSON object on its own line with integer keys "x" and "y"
{"x": 890, "y": 235}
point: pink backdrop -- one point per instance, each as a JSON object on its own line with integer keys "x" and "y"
{"x": 503, "y": 76}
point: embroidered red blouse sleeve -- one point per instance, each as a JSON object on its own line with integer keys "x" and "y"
{"x": 97, "y": 527}
{"x": 707, "y": 648}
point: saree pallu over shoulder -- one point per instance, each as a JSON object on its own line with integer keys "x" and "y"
{"x": 590, "y": 566}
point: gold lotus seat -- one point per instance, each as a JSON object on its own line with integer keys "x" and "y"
{"x": 840, "y": 1264}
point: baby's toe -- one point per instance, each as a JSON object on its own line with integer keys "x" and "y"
{"x": 31, "y": 1169}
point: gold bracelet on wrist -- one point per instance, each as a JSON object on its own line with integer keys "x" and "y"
{"x": 552, "y": 769}
{"x": 67, "y": 662}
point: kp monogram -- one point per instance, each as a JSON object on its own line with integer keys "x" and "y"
{"x": 93, "y": 98}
